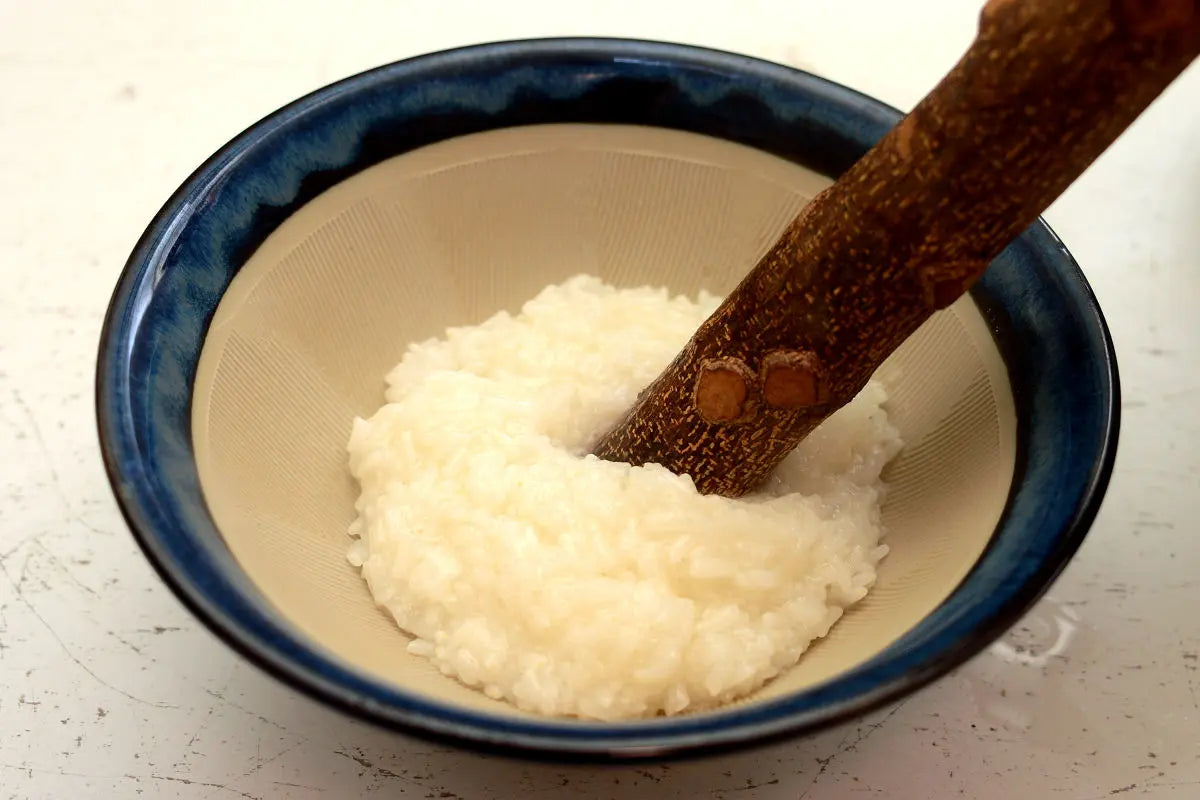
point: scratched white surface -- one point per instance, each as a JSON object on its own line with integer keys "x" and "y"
{"x": 108, "y": 688}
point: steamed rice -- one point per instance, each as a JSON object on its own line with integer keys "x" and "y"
{"x": 568, "y": 585}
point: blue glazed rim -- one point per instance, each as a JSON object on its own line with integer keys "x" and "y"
{"x": 1043, "y": 315}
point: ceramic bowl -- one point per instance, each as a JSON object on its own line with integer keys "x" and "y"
{"x": 261, "y": 308}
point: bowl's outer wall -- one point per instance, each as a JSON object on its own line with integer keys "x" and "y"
{"x": 1060, "y": 357}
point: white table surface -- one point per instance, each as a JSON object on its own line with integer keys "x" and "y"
{"x": 108, "y": 688}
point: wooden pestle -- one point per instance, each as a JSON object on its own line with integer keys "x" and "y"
{"x": 1046, "y": 87}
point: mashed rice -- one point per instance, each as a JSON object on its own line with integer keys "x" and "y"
{"x": 573, "y": 586}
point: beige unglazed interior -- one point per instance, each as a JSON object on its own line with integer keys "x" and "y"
{"x": 451, "y": 233}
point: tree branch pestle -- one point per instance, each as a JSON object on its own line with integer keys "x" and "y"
{"x": 1044, "y": 89}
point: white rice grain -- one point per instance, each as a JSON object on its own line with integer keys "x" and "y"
{"x": 568, "y": 585}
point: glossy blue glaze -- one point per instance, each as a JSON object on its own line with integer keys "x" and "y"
{"x": 1044, "y": 318}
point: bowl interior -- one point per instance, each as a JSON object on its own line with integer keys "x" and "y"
{"x": 450, "y": 233}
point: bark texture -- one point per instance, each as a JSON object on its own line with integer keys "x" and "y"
{"x": 1044, "y": 89}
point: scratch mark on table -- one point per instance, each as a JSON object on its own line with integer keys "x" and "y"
{"x": 41, "y": 443}
{"x": 59, "y": 566}
{"x": 190, "y": 782}
{"x": 865, "y": 732}
{"x": 300, "y": 786}
{"x": 32, "y": 538}
{"x": 1191, "y": 660}
{"x": 749, "y": 787}
{"x": 262, "y": 763}
{"x": 67, "y": 651}
{"x": 223, "y": 699}
{"x": 824, "y": 762}
{"x": 1146, "y": 788}
{"x": 125, "y": 642}
{"x": 360, "y": 758}
{"x": 55, "y": 480}
{"x": 29, "y": 770}
{"x": 218, "y": 698}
